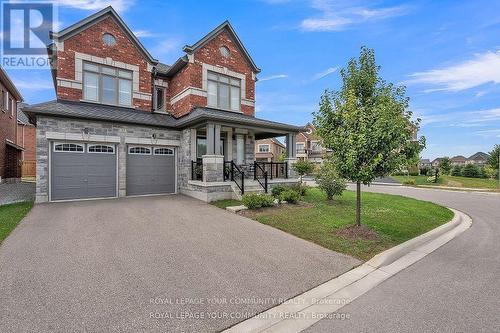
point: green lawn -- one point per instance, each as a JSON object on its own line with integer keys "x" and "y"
{"x": 226, "y": 203}
{"x": 392, "y": 220}
{"x": 453, "y": 181}
{"x": 11, "y": 215}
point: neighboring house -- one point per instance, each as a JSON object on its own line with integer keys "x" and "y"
{"x": 269, "y": 150}
{"x": 125, "y": 124}
{"x": 424, "y": 163}
{"x": 479, "y": 159}
{"x": 26, "y": 138}
{"x": 458, "y": 160}
{"x": 309, "y": 145}
{"x": 10, "y": 151}
{"x": 436, "y": 162}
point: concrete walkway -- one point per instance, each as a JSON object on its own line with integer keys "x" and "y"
{"x": 16, "y": 192}
{"x": 156, "y": 264}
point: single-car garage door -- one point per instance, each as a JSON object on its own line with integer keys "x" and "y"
{"x": 82, "y": 171}
{"x": 150, "y": 170}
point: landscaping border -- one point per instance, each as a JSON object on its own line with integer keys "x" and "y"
{"x": 312, "y": 306}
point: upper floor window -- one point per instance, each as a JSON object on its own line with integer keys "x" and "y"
{"x": 223, "y": 91}
{"x": 108, "y": 39}
{"x": 4, "y": 101}
{"x": 107, "y": 85}
{"x": 300, "y": 147}
{"x": 263, "y": 148}
{"x": 315, "y": 145}
{"x": 11, "y": 107}
{"x": 159, "y": 98}
{"x": 224, "y": 51}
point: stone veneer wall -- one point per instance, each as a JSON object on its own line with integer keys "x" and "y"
{"x": 65, "y": 125}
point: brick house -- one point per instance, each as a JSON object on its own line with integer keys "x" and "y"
{"x": 125, "y": 124}
{"x": 269, "y": 150}
{"x": 309, "y": 145}
{"x": 480, "y": 158}
{"x": 10, "y": 151}
{"x": 26, "y": 138}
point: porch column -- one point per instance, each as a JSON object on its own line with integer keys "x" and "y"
{"x": 291, "y": 154}
{"x": 213, "y": 139}
{"x": 213, "y": 161}
{"x": 229, "y": 143}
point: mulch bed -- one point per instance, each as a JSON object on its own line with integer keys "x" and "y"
{"x": 357, "y": 232}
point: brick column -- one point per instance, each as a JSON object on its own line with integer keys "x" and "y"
{"x": 213, "y": 168}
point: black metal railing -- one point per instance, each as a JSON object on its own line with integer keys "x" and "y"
{"x": 260, "y": 175}
{"x": 275, "y": 169}
{"x": 197, "y": 170}
{"x": 233, "y": 173}
{"x": 228, "y": 170}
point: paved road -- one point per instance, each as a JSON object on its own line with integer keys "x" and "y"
{"x": 109, "y": 265}
{"x": 454, "y": 289}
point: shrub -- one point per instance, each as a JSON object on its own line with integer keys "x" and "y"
{"x": 411, "y": 181}
{"x": 255, "y": 201}
{"x": 456, "y": 171}
{"x": 424, "y": 171}
{"x": 290, "y": 196}
{"x": 303, "y": 167}
{"x": 445, "y": 165}
{"x": 329, "y": 181}
{"x": 299, "y": 188}
{"x": 413, "y": 170}
{"x": 277, "y": 189}
{"x": 489, "y": 172}
{"x": 470, "y": 171}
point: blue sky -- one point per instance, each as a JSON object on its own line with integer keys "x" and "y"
{"x": 446, "y": 52}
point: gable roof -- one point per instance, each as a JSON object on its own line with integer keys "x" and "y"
{"x": 458, "y": 158}
{"x": 97, "y": 17}
{"x": 22, "y": 118}
{"x": 276, "y": 141}
{"x": 479, "y": 156}
{"x": 7, "y": 82}
{"x": 208, "y": 37}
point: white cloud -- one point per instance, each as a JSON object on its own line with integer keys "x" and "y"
{"x": 474, "y": 118}
{"x": 483, "y": 68}
{"x": 143, "y": 33}
{"x": 324, "y": 73}
{"x": 33, "y": 84}
{"x": 118, "y": 5}
{"x": 166, "y": 46}
{"x": 273, "y": 77}
{"x": 339, "y": 15}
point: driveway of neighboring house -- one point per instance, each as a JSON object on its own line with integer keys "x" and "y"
{"x": 146, "y": 263}
{"x": 16, "y": 192}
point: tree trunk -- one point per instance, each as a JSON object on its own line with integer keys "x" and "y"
{"x": 358, "y": 203}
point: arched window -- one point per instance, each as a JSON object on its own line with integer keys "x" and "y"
{"x": 163, "y": 151}
{"x": 108, "y": 39}
{"x": 139, "y": 150}
{"x": 101, "y": 149}
{"x": 68, "y": 147}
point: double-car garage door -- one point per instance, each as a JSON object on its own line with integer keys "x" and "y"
{"x": 89, "y": 170}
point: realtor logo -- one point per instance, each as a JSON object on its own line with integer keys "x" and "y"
{"x": 25, "y": 33}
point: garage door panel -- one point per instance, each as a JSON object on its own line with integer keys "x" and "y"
{"x": 150, "y": 174}
{"x": 82, "y": 175}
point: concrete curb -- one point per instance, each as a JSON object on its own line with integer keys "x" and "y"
{"x": 322, "y": 301}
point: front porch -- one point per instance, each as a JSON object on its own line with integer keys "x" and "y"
{"x": 223, "y": 165}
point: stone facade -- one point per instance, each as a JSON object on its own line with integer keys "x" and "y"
{"x": 100, "y": 130}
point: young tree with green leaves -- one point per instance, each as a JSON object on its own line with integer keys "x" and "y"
{"x": 329, "y": 181}
{"x": 445, "y": 165}
{"x": 367, "y": 125}
{"x": 493, "y": 160}
{"x": 303, "y": 167}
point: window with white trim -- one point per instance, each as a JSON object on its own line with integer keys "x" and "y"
{"x": 106, "y": 84}
{"x": 68, "y": 147}
{"x": 315, "y": 146}
{"x": 139, "y": 150}
{"x": 4, "y": 101}
{"x": 163, "y": 151}
{"x": 12, "y": 107}
{"x": 300, "y": 147}
{"x": 264, "y": 148}
{"x": 101, "y": 149}
{"x": 223, "y": 91}
{"x": 159, "y": 98}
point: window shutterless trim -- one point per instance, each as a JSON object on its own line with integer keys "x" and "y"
{"x": 163, "y": 151}
{"x": 119, "y": 74}
{"x": 231, "y": 82}
{"x": 67, "y": 145}
{"x": 107, "y": 147}
{"x": 264, "y": 145}
{"x": 142, "y": 150}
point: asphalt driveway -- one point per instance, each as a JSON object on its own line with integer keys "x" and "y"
{"x": 167, "y": 263}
